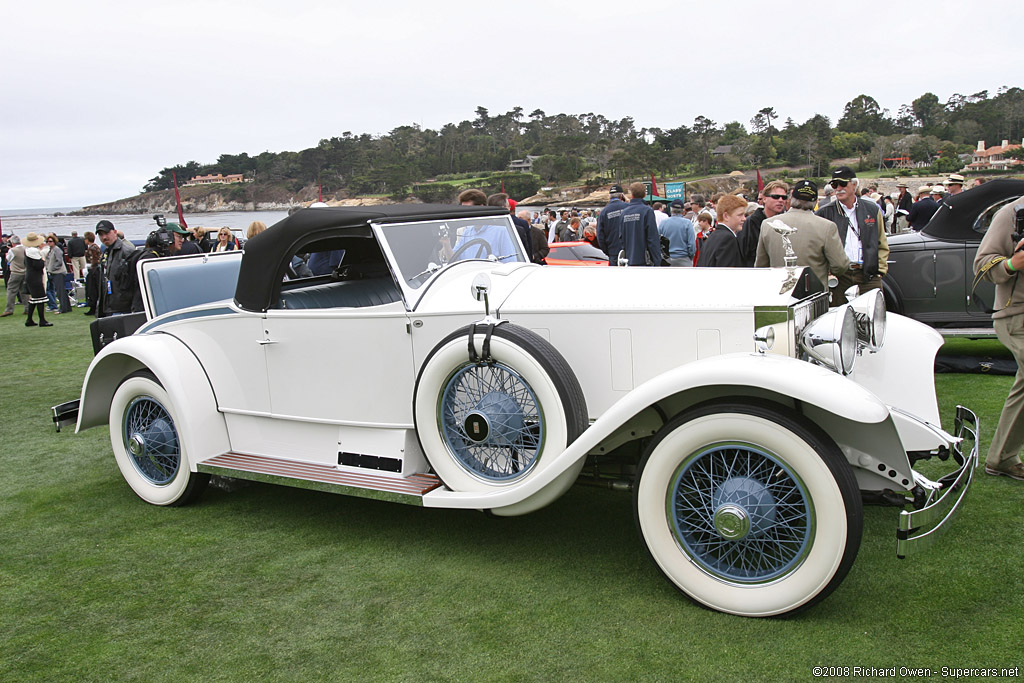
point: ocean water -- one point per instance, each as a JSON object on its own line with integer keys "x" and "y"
{"x": 24, "y": 221}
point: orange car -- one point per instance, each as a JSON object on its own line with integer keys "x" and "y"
{"x": 575, "y": 254}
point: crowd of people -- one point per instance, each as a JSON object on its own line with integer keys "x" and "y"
{"x": 43, "y": 272}
{"x": 840, "y": 232}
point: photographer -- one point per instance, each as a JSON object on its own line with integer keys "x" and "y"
{"x": 1000, "y": 259}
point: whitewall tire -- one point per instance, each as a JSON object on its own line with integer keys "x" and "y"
{"x": 145, "y": 437}
{"x": 489, "y": 424}
{"x": 748, "y": 509}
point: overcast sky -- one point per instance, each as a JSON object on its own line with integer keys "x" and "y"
{"x": 97, "y": 97}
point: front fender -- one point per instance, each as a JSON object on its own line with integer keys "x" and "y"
{"x": 181, "y": 375}
{"x": 738, "y": 374}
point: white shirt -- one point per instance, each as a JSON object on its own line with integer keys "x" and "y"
{"x": 852, "y": 246}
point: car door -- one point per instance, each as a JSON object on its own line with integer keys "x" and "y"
{"x": 350, "y": 366}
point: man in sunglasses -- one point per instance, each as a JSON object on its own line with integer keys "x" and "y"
{"x": 776, "y": 194}
{"x": 862, "y": 232}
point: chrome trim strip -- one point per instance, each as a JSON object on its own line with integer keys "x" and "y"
{"x": 919, "y": 529}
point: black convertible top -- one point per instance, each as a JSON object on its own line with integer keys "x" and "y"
{"x": 955, "y": 218}
{"x": 267, "y": 254}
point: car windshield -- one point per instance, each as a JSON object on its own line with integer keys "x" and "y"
{"x": 422, "y": 249}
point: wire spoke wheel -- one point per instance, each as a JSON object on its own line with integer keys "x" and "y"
{"x": 151, "y": 440}
{"x": 491, "y": 421}
{"x": 147, "y": 444}
{"x": 748, "y": 509}
{"x": 494, "y": 420}
{"x": 741, "y": 513}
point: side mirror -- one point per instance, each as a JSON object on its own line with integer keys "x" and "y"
{"x": 480, "y": 287}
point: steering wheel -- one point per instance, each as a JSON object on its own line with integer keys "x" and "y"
{"x": 476, "y": 241}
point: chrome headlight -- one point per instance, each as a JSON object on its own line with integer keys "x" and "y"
{"x": 832, "y": 339}
{"x": 869, "y": 309}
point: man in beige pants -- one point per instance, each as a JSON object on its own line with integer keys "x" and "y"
{"x": 998, "y": 261}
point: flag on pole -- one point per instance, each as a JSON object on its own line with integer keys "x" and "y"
{"x": 654, "y": 186}
{"x": 760, "y": 182}
{"x": 177, "y": 200}
{"x": 503, "y": 187}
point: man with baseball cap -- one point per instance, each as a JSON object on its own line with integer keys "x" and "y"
{"x": 816, "y": 240}
{"x": 117, "y": 287}
{"x": 178, "y": 235}
{"x": 862, "y": 233}
{"x": 609, "y": 225}
{"x": 682, "y": 240}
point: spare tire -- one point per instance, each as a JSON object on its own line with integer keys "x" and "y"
{"x": 492, "y": 422}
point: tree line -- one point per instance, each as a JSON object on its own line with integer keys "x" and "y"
{"x": 590, "y": 148}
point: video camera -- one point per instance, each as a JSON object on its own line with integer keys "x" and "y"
{"x": 160, "y": 240}
{"x": 1018, "y": 224}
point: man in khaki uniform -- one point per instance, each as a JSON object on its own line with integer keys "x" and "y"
{"x": 816, "y": 240}
{"x": 997, "y": 261}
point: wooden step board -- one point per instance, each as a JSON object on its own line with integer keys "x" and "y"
{"x": 319, "y": 477}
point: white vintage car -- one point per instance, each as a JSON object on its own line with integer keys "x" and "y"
{"x": 432, "y": 364}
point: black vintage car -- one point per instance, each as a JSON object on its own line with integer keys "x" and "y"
{"x": 931, "y": 271}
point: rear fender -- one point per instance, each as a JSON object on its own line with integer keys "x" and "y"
{"x": 180, "y": 373}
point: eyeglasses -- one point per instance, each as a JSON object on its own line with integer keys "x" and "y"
{"x": 51, "y": 241}
{"x": 839, "y": 183}
{"x": 776, "y": 196}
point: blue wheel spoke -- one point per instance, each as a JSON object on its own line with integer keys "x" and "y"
{"x": 515, "y": 432}
{"x": 149, "y": 422}
{"x": 759, "y": 495}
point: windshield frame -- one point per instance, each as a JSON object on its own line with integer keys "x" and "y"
{"x": 415, "y": 272}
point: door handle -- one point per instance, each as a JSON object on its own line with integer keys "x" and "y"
{"x": 264, "y": 342}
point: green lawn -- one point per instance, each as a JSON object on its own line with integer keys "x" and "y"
{"x": 272, "y": 583}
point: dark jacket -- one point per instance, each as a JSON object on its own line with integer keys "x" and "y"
{"x": 873, "y": 243}
{"x": 189, "y": 247}
{"x": 117, "y": 288}
{"x": 721, "y": 249}
{"x": 523, "y": 228}
{"x": 921, "y": 212}
{"x": 76, "y": 247}
{"x": 640, "y": 237}
{"x": 539, "y": 238}
{"x": 609, "y": 230}
{"x": 747, "y": 239}
{"x": 905, "y": 202}
{"x": 144, "y": 253}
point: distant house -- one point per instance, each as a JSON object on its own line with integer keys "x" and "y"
{"x": 524, "y": 165}
{"x": 993, "y": 158}
{"x": 213, "y": 179}
{"x": 721, "y": 150}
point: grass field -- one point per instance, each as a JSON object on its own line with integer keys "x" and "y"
{"x": 272, "y": 583}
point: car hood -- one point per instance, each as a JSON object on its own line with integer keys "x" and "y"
{"x": 638, "y": 289}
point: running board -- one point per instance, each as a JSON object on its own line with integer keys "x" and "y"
{"x": 318, "y": 477}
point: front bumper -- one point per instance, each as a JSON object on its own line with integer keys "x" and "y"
{"x": 919, "y": 529}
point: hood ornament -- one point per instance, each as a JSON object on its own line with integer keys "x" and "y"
{"x": 785, "y": 231}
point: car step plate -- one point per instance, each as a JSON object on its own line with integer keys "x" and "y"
{"x": 319, "y": 477}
